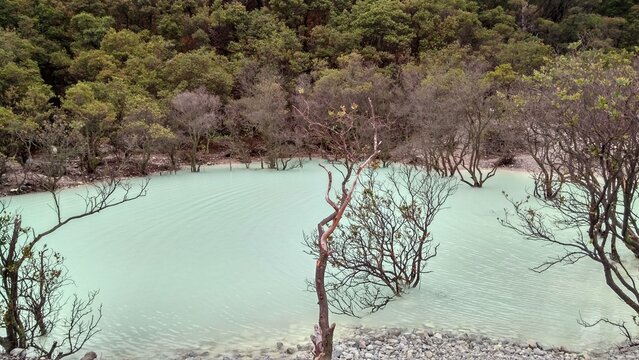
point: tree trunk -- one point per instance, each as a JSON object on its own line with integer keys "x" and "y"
{"x": 614, "y": 254}
{"x": 550, "y": 194}
{"x": 173, "y": 160}
{"x": 144, "y": 164}
{"x": 194, "y": 167}
{"x": 10, "y": 272}
{"x": 13, "y": 324}
{"x": 323, "y": 338}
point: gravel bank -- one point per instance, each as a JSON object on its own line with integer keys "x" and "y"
{"x": 383, "y": 344}
{"x": 391, "y": 343}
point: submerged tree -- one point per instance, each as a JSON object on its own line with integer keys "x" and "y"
{"x": 339, "y": 131}
{"x": 538, "y": 114}
{"x": 434, "y": 117}
{"x": 596, "y": 126}
{"x": 544, "y": 148}
{"x": 384, "y": 246}
{"x": 481, "y": 110}
{"x": 453, "y": 114}
{"x": 32, "y": 278}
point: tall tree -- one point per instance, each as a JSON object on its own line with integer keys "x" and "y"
{"x": 196, "y": 116}
{"x": 385, "y": 243}
{"x": 338, "y": 131}
{"x": 593, "y": 99}
{"x": 265, "y": 108}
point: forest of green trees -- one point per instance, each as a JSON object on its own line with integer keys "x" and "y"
{"x": 118, "y": 80}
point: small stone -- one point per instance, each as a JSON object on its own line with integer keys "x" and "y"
{"x": 279, "y": 345}
{"x": 438, "y": 336}
{"x": 291, "y": 351}
{"x": 19, "y": 352}
{"x": 188, "y": 355}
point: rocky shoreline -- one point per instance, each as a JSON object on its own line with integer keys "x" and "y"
{"x": 360, "y": 343}
{"x": 386, "y": 344}
{"x": 20, "y": 354}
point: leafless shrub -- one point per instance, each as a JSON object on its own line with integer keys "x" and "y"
{"x": 385, "y": 244}
{"x": 32, "y": 278}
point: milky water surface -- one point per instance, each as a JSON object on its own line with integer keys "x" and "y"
{"x": 214, "y": 260}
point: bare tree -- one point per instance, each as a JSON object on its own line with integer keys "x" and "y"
{"x": 437, "y": 143}
{"x": 242, "y": 138}
{"x": 43, "y": 278}
{"x": 140, "y": 139}
{"x": 537, "y": 116}
{"x": 57, "y": 148}
{"x": 196, "y": 117}
{"x": 545, "y": 150}
{"x": 32, "y": 279}
{"x": 338, "y": 132}
{"x": 598, "y": 135}
{"x": 57, "y": 145}
{"x": 261, "y": 119}
{"x": 452, "y": 115}
{"x": 481, "y": 109}
{"x": 383, "y": 248}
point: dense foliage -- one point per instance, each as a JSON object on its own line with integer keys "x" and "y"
{"x": 110, "y": 72}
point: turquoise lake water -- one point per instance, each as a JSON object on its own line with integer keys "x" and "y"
{"x": 214, "y": 260}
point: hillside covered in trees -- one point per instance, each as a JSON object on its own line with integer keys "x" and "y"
{"x": 121, "y": 80}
